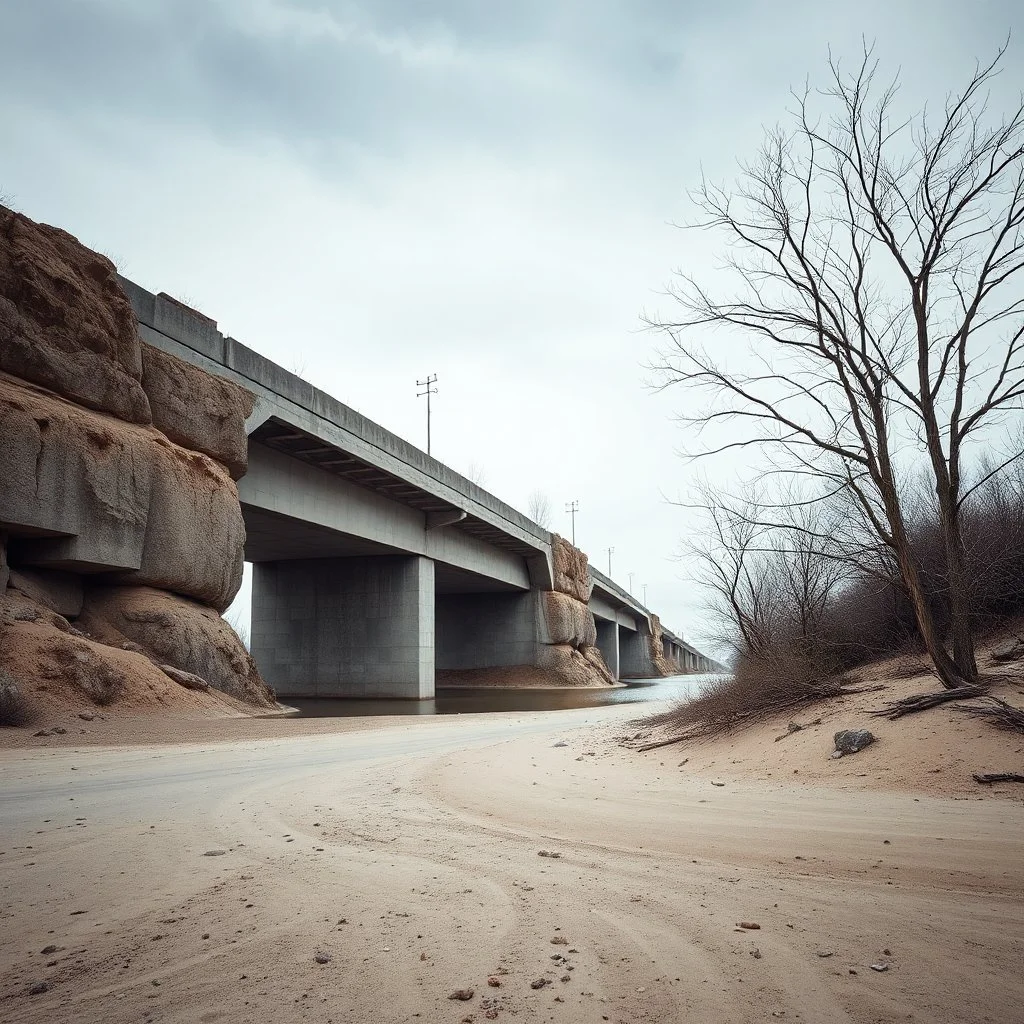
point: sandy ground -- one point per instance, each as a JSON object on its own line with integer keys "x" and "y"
{"x": 202, "y": 881}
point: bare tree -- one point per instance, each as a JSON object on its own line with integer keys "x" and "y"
{"x": 877, "y": 264}
{"x": 539, "y": 509}
{"x": 770, "y": 583}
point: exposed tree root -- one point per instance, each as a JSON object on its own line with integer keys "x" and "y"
{"x": 923, "y": 701}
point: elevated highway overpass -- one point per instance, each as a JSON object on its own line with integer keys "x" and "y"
{"x": 374, "y": 564}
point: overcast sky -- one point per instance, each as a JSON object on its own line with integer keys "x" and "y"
{"x": 372, "y": 191}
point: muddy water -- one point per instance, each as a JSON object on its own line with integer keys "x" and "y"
{"x": 451, "y": 701}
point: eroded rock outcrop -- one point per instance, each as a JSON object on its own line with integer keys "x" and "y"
{"x": 570, "y": 569}
{"x": 175, "y": 631}
{"x": 64, "y": 321}
{"x": 570, "y": 651}
{"x": 121, "y": 534}
{"x": 197, "y": 410}
{"x": 124, "y": 497}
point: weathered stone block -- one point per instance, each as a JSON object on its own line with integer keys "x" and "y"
{"x": 88, "y": 493}
{"x": 64, "y": 322}
{"x": 197, "y": 410}
{"x": 568, "y": 621}
{"x": 72, "y": 475}
{"x": 195, "y": 534}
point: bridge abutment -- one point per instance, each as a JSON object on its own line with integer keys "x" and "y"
{"x": 345, "y": 627}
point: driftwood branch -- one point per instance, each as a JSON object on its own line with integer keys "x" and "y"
{"x": 998, "y": 777}
{"x": 923, "y": 701}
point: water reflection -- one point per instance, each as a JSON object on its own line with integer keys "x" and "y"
{"x": 461, "y": 701}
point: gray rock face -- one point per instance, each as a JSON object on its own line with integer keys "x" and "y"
{"x": 64, "y": 322}
{"x": 849, "y": 741}
{"x": 198, "y": 410}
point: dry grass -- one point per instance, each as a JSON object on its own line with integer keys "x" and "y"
{"x": 758, "y": 690}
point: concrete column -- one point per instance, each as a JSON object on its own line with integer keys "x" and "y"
{"x": 635, "y": 655}
{"x": 345, "y": 627}
{"x": 488, "y": 630}
{"x": 608, "y": 643}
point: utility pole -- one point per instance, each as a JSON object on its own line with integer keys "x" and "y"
{"x": 611, "y": 551}
{"x": 645, "y": 594}
{"x": 428, "y": 391}
{"x": 572, "y": 507}
{"x": 631, "y": 575}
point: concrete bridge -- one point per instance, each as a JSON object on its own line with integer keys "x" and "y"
{"x": 349, "y": 524}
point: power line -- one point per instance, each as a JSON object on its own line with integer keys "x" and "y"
{"x": 572, "y": 507}
{"x": 428, "y": 391}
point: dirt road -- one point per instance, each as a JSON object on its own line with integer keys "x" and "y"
{"x": 367, "y": 876}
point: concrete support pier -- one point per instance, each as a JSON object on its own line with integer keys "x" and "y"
{"x": 345, "y": 627}
{"x": 608, "y": 644}
{"x": 487, "y": 630}
{"x": 635, "y": 655}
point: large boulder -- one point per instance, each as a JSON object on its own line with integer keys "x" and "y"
{"x": 568, "y": 621}
{"x": 65, "y": 322}
{"x": 177, "y": 632}
{"x": 196, "y": 409}
{"x": 88, "y": 493}
{"x": 571, "y": 572}
{"x": 195, "y": 533}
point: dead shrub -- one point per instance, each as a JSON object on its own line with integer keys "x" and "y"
{"x": 759, "y": 688}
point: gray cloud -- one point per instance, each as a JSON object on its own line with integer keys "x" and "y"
{"x": 372, "y": 191}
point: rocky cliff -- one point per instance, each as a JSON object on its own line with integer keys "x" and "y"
{"x": 121, "y": 534}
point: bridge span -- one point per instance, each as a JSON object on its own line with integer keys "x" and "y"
{"x": 375, "y": 565}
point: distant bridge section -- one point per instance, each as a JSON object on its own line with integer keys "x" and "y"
{"x": 375, "y": 564}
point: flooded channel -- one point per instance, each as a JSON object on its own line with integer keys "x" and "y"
{"x": 461, "y": 701}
